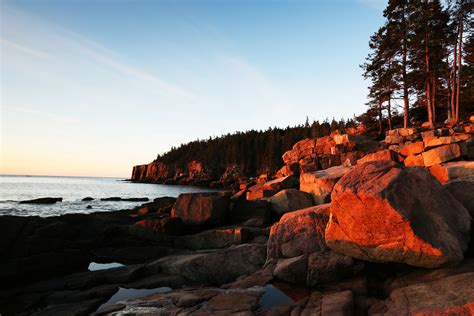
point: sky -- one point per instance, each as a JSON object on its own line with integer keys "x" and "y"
{"x": 93, "y": 87}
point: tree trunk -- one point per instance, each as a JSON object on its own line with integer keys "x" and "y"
{"x": 389, "y": 109}
{"x": 458, "y": 87}
{"x": 453, "y": 81}
{"x": 433, "y": 94}
{"x": 406, "y": 106}
{"x": 427, "y": 86}
{"x": 380, "y": 119}
{"x": 450, "y": 94}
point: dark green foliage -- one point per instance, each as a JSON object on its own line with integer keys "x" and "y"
{"x": 253, "y": 151}
{"x": 412, "y": 62}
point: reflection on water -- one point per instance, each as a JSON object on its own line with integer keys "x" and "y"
{"x": 274, "y": 297}
{"x": 294, "y": 292}
{"x": 94, "y": 266}
{"x": 126, "y": 294}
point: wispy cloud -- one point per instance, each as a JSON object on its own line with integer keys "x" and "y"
{"x": 256, "y": 79}
{"x": 59, "y": 44}
{"x": 23, "y": 49}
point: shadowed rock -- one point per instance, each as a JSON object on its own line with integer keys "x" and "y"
{"x": 117, "y": 199}
{"x": 453, "y": 295}
{"x": 45, "y": 200}
{"x": 297, "y": 252}
{"x": 201, "y": 208}
{"x": 290, "y": 200}
{"x": 216, "y": 267}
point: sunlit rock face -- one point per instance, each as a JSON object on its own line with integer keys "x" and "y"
{"x": 320, "y": 183}
{"x": 384, "y": 212}
{"x": 201, "y": 208}
{"x": 297, "y": 252}
{"x": 382, "y": 155}
{"x": 154, "y": 171}
{"x": 270, "y": 188}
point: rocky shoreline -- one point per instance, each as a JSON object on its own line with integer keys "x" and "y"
{"x": 348, "y": 226}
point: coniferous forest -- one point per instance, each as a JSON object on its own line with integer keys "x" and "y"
{"x": 253, "y": 151}
{"x": 419, "y": 69}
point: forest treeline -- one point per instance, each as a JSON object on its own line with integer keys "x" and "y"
{"x": 420, "y": 67}
{"x": 253, "y": 151}
{"x": 421, "y": 64}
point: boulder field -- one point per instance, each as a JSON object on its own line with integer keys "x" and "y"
{"x": 348, "y": 226}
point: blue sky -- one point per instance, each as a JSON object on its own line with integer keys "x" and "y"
{"x": 94, "y": 87}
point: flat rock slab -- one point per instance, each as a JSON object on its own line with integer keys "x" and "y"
{"x": 453, "y": 170}
{"x": 441, "y": 154}
{"x": 216, "y": 267}
{"x": 383, "y": 155}
{"x": 453, "y": 295}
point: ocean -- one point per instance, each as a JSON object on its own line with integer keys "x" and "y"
{"x": 14, "y": 189}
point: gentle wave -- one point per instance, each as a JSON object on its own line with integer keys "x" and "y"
{"x": 14, "y": 189}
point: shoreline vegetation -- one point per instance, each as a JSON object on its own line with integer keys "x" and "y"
{"x": 369, "y": 216}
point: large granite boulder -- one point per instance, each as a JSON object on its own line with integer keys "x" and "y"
{"x": 159, "y": 205}
{"x": 384, "y": 212}
{"x": 242, "y": 210}
{"x": 290, "y": 200}
{"x": 463, "y": 191}
{"x": 201, "y": 208}
{"x": 297, "y": 252}
{"x": 214, "y": 238}
{"x": 165, "y": 225}
{"x": 320, "y": 183}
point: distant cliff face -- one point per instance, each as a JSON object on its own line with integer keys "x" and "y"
{"x": 159, "y": 172}
{"x": 153, "y": 172}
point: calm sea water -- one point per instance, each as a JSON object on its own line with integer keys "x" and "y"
{"x": 73, "y": 189}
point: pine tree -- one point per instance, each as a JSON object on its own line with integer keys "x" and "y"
{"x": 383, "y": 69}
{"x": 396, "y": 13}
{"x": 427, "y": 44}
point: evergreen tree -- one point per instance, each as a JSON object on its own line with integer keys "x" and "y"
{"x": 396, "y": 13}
{"x": 427, "y": 46}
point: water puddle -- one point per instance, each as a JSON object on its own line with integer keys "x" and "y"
{"x": 274, "y": 297}
{"x": 94, "y": 266}
{"x": 124, "y": 294}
